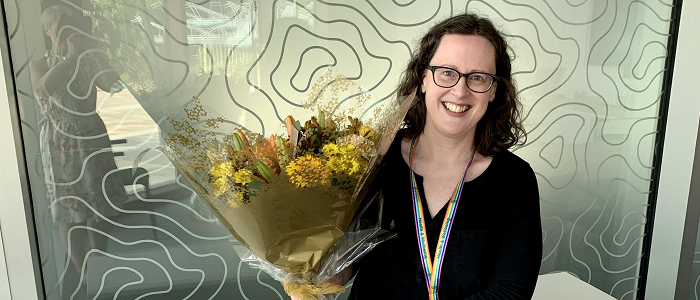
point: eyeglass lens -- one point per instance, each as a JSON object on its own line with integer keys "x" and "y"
{"x": 447, "y": 78}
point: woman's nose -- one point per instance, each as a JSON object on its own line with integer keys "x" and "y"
{"x": 461, "y": 88}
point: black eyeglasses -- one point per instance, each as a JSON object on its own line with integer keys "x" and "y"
{"x": 478, "y": 82}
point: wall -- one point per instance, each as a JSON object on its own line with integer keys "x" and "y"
{"x": 589, "y": 75}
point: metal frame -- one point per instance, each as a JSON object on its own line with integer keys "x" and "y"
{"x": 672, "y": 211}
{"x": 16, "y": 217}
{"x": 660, "y": 139}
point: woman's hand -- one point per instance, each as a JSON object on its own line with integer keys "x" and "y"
{"x": 76, "y": 44}
{"x": 341, "y": 278}
{"x": 59, "y": 48}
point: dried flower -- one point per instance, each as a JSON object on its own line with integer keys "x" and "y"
{"x": 237, "y": 199}
{"x": 364, "y": 146}
{"x": 222, "y": 185}
{"x": 223, "y": 169}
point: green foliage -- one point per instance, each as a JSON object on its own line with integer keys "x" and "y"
{"x": 126, "y": 25}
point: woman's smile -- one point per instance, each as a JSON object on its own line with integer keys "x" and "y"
{"x": 456, "y": 108}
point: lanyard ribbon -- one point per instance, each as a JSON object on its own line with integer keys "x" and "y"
{"x": 432, "y": 267}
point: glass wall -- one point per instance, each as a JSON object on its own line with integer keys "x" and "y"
{"x": 589, "y": 74}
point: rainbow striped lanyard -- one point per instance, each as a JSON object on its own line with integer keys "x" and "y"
{"x": 431, "y": 268}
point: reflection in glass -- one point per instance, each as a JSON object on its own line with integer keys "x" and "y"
{"x": 75, "y": 147}
{"x": 588, "y": 74}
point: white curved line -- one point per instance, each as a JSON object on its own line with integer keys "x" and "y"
{"x": 600, "y": 236}
{"x": 179, "y": 241}
{"x": 696, "y": 287}
{"x": 116, "y": 294}
{"x": 194, "y": 195}
{"x": 571, "y": 235}
{"x": 82, "y": 169}
{"x": 561, "y": 235}
{"x": 268, "y": 286}
{"x": 94, "y": 77}
{"x": 152, "y": 200}
{"x": 165, "y": 250}
{"x": 83, "y": 268}
{"x": 104, "y": 193}
{"x": 619, "y": 229}
{"x": 616, "y": 283}
{"x": 238, "y": 280}
{"x": 102, "y": 282}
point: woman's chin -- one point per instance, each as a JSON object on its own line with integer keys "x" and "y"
{"x": 454, "y": 130}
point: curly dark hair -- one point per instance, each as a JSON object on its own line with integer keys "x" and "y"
{"x": 501, "y": 127}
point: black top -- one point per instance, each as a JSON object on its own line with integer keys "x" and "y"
{"x": 495, "y": 245}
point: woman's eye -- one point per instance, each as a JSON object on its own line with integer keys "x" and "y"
{"x": 448, "y": 73}
{"x": 476, "y": 78}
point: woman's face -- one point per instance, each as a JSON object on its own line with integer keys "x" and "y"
{"x": 52, "y": 31}
{"x": 466, "y": 54}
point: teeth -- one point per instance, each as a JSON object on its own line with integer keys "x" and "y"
{"x": 455, "y": 108}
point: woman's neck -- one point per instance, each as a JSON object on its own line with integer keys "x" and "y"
{"x": 438, "y": 147}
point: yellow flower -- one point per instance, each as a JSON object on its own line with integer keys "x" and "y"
{"x": 243, "y": 176}
{"x": 221, "y": 185}
{"x": 214, "y": 171}
{"x": 366, "y": 147}
{"x": 347, "y": 149}
{"x": 308, "y": 171}
{"x": 330, "y": 149}
{"x": 236, "y": 200}
{"x": 223, "y": 169}
{"x": 348, "y": 160}
{"x": 367, "y": 132}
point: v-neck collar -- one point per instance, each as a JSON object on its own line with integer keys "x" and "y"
{"x": 419, "y": 180}
{"x": 440, "y": 215}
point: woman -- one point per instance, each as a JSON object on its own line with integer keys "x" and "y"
{"x": 76, "y": 150}
{"x": 451, "y": 168}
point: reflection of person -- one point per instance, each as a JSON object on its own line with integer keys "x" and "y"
{"x": 76, "y": 150}
{"x": 451, "y": 169}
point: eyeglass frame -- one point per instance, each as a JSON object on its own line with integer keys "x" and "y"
{"x": 433, "y": 68}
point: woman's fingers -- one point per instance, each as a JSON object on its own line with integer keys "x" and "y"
{"x": 343, "y": 277}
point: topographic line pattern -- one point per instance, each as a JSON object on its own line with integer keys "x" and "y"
{"x": 588, "y": 73}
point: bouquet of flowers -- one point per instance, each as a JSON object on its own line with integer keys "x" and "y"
{"x": 291, "y": 200}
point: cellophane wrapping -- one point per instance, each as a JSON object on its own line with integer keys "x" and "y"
{"x": 301, "y": 205}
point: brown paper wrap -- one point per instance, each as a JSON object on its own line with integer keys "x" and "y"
{"x": 290, "y": 227}
{"x": 312, "y": 292}
{"x": 293, "y": 228}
